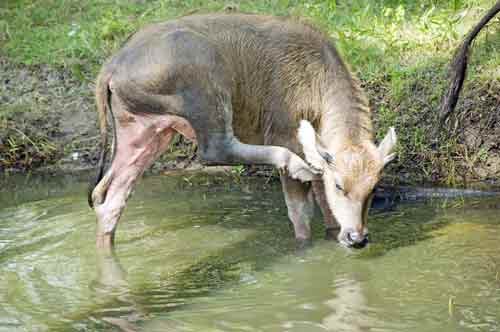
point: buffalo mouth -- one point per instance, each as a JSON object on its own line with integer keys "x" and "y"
{"x": 349, "y": 243}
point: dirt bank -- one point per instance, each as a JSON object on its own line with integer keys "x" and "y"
{"x": 467, "y": 153}
{"x": 47, "y": 119}
{"x": 48, "y": 122}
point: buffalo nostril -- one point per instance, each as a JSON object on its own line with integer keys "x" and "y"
{"x": 361, "y": 244}
{"x": 356, "y": 240}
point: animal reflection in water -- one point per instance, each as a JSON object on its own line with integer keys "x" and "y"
{"x": 112, "y": 283}
{"x": 349, "y": 309}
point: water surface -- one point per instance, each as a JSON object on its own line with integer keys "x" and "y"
{"x": 204, "y": 253}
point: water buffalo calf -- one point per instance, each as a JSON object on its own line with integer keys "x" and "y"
{"x": 248, "y": 89}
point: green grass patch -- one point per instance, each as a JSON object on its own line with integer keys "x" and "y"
{"x": 400, "y": 49}
{"x": 378, "y": 38}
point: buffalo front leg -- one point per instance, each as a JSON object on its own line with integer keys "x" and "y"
{"x": 225, "y": 149}
{"x": 217, "y": 144}
{"x": 300, "y": 204}
{"x": 331, "y": 226}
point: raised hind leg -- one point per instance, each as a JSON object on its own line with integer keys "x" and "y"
{"x": 140, "y": 140}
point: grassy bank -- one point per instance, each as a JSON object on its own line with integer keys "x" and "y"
{"x": 399, "y": 49}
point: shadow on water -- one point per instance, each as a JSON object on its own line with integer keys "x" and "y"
{"x": 120, "y": 305}
{"x": 227, "y": 265}
{"x": 402, "y": 227}
{"x": 126, "y": 308}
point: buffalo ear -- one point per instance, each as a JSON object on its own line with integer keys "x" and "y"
{"x": 387, "y": 146}
{"x": 307, "y": 138}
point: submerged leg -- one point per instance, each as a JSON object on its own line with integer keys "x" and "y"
{"x": 299, "y": 201}
{"x": 140, "y": 140}
{"x": 111, "y": 285}
{"x": 331, "y": 225}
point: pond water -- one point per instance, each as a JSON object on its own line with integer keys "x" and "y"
{"x": 208, "y": 253}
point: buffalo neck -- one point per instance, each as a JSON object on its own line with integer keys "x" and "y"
{"x": 346, "y": 116}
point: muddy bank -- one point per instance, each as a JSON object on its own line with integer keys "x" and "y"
{"x": 467, "y": 151}
{"x": 48, "y": 123}
{"x": 46, "y": 119}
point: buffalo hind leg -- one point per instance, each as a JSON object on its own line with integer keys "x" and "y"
{"x": 140, "y": 140}
{"x": 300, "y": 204}
{"x": 129, "y": 164}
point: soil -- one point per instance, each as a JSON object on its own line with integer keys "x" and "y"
{"x": 48, "y": 123}
{"x": 41, "y": 106}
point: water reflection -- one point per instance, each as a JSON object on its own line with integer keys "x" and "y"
{"x": 292, "y": 295}
{"x": 111, "y": 285}
{"x": 217, "y": 258}
{"x": 350, "y": 310}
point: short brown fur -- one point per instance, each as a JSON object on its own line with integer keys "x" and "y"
{"x": 280, "y": 72}
{"x": 239, "y": 85}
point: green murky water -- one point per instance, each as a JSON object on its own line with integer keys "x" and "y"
{"x": 202, "y": 254}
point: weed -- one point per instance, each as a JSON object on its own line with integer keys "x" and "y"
{"x": 237, "y": 172}
{"x": 399, "y": 50}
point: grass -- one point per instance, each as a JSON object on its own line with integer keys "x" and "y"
{"x": 378, "y": 37}
{"x": 21, "y": 146}
{"x": 399, "y": 50}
